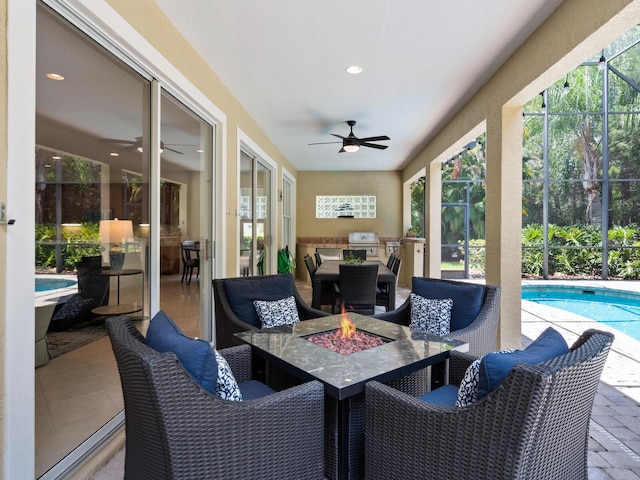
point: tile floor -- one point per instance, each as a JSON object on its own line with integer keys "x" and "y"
{"x": 614, "y": 448}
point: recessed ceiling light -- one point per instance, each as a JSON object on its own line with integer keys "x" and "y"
{"x": 200, "y": 150}
{"x": 114, "y": 154}
{"x": 55, "y": 76}
{"x": 56, "y": 157}
{"x": 354, "y": 69}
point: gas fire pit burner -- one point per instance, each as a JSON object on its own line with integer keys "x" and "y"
{"x": 346, "y": 339}
{"x": 359, "y": 341}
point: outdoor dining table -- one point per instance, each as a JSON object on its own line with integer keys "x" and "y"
{"x": 329, "y": 271}
{"x": 344, "y": 375}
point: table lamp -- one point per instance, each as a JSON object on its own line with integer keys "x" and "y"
{"x": 116, "y": 233}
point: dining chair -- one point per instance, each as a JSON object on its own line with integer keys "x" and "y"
{"x": 357, "y": 288}
{"x": 190, "y": 260}
{"x": 383, "y": 297}
{"x": 390, "y": 262}
{"x": 328, "y": 294}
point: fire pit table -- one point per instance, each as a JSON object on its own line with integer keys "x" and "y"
{"x": 293, "y": 348}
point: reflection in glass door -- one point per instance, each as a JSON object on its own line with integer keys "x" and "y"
{"x": 185, "y": 216}
{"x": 255, "y": 229}
{"x": 91, "y": 209}
{"x": 455, "y": 241}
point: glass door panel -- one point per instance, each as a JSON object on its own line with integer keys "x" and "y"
{"x": 185, "y": 216}
{"x": 263, "y": 220}
{"x": 92, "y": 121}
{"x": 255, "y": 251}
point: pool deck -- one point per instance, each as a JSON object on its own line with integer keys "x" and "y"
{"x": 614, "y": 448}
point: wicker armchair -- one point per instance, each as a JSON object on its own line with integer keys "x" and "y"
{"x": 534, "y": 426}
{"x": 176, "y": 429}
{"x": 266, "y": 287}
{"x": 481, "y": 333}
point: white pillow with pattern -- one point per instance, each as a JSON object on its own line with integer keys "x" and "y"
{"x": 277, "y": 312}
{"x": 468, "y": 390}
{"x": 430, "y": 315}
{"x": 226, "y": 388}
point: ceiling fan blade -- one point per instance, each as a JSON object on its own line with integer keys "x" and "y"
{"x": 339, "y": 136}
{"x": 172, "y": 150}
{"x": 373, "y": 145}
{"x": 374, "y": 139}
{"x": 131, "y": 147}
{"x": 321, "y": 143}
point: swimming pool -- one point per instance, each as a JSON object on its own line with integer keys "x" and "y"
{"x": 616, "y": 308}
{"x": 44, "y": 284}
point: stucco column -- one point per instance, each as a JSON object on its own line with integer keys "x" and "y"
{"x": 432, "y": 219}
{"x": 503, "y": 217}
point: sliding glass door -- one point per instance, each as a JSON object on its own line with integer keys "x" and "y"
{"x": 124, "y": 189}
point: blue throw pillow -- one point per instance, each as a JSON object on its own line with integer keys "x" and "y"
{"x": 197, "y": 357}
{"x": 467, "y": 298}
{"x": 495, "y": 367}
{"x": 241, "y": 294}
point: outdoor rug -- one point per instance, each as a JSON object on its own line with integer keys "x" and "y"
{"x": 76, "y": 337}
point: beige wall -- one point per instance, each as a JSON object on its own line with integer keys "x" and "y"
{"x": 386, "y": 186}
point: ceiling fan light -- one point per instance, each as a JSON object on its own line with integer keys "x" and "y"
{"x": 351, "y": 148}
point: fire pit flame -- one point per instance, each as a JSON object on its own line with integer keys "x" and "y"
{"x": 347, "y": 327}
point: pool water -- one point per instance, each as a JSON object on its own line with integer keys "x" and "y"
{"x": 46, "y": 284}
{"x": 618, "y": 309}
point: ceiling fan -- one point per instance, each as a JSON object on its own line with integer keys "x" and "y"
{"x": 351, "y": 143}
{"x": 137, "y": 144}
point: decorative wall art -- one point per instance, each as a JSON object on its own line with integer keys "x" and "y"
{"x": 350, "y": 206}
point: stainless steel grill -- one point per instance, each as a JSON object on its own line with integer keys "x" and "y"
{"x": 365, "y": 241}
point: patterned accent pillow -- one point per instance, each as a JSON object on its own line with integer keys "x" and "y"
{"x": 277, "y": 312}
{"x": 468, "y": 390}
{"x": 75, "y": 307}
{"x": 430, "y": 315}
{"x": 227, "y": 388}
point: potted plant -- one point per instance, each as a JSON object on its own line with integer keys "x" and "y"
{"x": 411, "y": 232}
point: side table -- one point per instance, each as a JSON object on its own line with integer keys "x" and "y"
{"x": 119, "y": 309}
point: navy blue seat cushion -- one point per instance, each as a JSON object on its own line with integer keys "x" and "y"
{"x": 196, "y": 356}
{"x": 253, "y": 389}
{"x": 241, "y": 294}
{"x": 444, "y": 396}
{"x": 495, "y": 367}
{"x": 467, "y": 298}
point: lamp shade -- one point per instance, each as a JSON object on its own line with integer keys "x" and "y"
{"x": 115, "y": 231}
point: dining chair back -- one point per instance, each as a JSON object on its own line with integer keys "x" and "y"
{"x": 383, "y": 297}
{"x": 358, "y": 287}
{"x": 390, "y": 262}
{"x": 311, "y": 268}
{"x": 318, "y": 259}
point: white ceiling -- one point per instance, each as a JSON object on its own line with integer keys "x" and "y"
{"x": 285, "y": 61}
